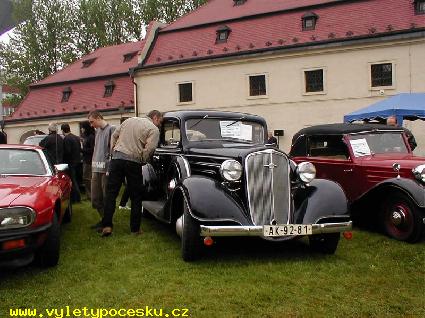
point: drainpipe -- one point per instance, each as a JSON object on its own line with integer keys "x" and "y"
{"x": 136, "y": 109}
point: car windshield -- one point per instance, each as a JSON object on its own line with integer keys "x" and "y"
{"x": 21, "y": 161}
{"x": 377, "y": 143}
{"x": 220, "y": 129}
{"x": 34, "y": 140}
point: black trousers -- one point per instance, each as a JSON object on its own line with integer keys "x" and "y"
{"x": 75, "y": 191}
{"x": 118, "y": 171}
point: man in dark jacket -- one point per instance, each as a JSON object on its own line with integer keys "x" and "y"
{"x": 71, "y": 156}
{"x": 53, "y": 143}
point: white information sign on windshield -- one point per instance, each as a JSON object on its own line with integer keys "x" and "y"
{"x": 232, "y": 129}
{"x": 360, "y": 147}
{"x": 246, "y": 132}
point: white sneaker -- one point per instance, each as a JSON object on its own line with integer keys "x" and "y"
{"x": 124, "y": 207}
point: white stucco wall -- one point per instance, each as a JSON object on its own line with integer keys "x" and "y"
{"x": 224, "y": 85}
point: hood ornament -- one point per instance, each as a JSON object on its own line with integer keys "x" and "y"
{"x": 396, "y": 168}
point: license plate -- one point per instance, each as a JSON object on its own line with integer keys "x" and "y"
{"x": 287, "y": 229}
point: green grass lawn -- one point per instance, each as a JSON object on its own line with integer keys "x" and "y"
{"x": 369, "y": 276}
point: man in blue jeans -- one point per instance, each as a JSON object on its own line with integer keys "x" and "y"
{"x": 132, "y": 143}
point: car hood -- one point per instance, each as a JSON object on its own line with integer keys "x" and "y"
{"x": 406, "y": 161}
{"x": 12, "y": 187}
{"x": 226, "y": 150}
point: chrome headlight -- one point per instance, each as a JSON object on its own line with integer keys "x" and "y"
{"x": 231, "y": 170}
{"x": 419, "y": 173}
{"x": 16, "y": 217}
{"x": 306, "y": 172}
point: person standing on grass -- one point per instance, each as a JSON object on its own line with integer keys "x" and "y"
{"x": 71, "y": 156}
{"x": 133, "y": 143}
{"x": 53, "y": 143}
{"x": 87, "y": 149}
{"x": 100, "y": 162}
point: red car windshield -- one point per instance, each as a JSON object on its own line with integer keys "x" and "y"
{"x": 20, "y": 161}
{"x": 377, "y": 143}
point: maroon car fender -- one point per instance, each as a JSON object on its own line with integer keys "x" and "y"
{"x": 320, "y": 202}
{"x": 210, "y": 201}
{"x": 411, "y": 188}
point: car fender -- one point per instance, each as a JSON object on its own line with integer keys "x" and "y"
{"x": 408, "y": 186}
{"x": 210, "y": 201}
{"x": 321, "y": 201}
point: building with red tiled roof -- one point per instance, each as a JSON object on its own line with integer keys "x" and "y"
{"x": 99, "y": 80}
{"x": 295, "y": 62}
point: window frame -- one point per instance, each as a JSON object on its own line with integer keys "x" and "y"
{"x": 393, "y": 75}
{"x": 175, "y": 123}
{"x": 266, "y": 84}
{"x": 304, "y": 80}
{"x": 66, "y": 94}
{"x": 418, "y": 4}
{"x": 179, "y": 102}
{"x": 109, "y": 89}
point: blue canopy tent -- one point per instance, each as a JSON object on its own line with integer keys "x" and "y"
{"x": 409, "y": 106}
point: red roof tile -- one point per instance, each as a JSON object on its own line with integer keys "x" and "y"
{"x": 85, "y": 96}
{"x": 108, "y": 61}
{"x": 338, "y": 21}
{"x": 223, "y": 10}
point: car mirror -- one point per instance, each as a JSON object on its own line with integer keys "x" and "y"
{"x": 61, "y": 167}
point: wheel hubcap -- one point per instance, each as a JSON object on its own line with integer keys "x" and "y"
{"x": 398, "y": 217}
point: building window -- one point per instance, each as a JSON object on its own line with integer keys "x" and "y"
{"x": 420, "y": 6}
{"x": 109, "y": 88}
{"x": 88, "y": 62}
{"x": 185, "y": 92}
{"x": 66, "y": 93}
{"x": 222, "y": 34}
{"x": 257, "y": 85}
{"x": 129, "y": 56}
{"x": 238, "y": 2}
{"x": 309, "y": 21}
{"x": 381, "y": 74}
{"x": 314, "y": 81}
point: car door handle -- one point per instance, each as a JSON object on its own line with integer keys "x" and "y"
{"x": 348, "y": 170}
{"x": 156, "y": 157}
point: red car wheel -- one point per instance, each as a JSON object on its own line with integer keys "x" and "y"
{"x": 401, "y": 218}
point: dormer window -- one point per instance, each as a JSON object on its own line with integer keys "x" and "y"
{"x": 222, "y": 34}
{"x": 109, "y": 88}
{"x": 88, "y": 62}
{"x": 309, "y": 21}
{"x": 66, "y": 93}
{"x": 238, "y": 2}
{"x": 420, "y": 6}
{"x": 129, "y": 56}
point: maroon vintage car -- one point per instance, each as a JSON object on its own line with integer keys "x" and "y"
{"x": 34, "y": 200}
{"x": 376, "y": 168}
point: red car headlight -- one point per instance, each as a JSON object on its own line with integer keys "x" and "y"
{"x": 16, "y": 217}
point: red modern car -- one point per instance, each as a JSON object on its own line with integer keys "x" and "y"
{"x": 375, "y": 166}
{"x": 34, "y": 201}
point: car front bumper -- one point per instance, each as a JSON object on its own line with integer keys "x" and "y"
{"x": 258, "y": 230}
{"x": 21, "y": 256}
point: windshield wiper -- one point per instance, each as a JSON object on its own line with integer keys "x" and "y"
{"x": 206, "y": 116}
{"x": 234, "y": 122}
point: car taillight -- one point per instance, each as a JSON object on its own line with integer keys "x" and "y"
{"x": 208, "y": 241}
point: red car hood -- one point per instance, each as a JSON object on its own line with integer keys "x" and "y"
{"x": 11, "y": 187}
{"x": 406, "y": 161}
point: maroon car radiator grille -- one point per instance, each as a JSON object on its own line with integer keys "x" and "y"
{"x": 268, "y": 187}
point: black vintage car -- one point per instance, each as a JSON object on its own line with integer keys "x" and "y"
{"x": 212, "y": 175}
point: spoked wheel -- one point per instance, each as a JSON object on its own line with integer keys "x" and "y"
{"x": 68, "y": 213}
{"x": 400, "y": 218}
{"x": 191, "y": 240}
{"x": 324, "y": 243}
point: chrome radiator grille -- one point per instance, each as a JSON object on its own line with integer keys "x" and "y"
{"x": 268, "y": 187}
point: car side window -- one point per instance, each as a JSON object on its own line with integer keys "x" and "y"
{"x": 330, "y": 147}
{"x": 170, "y": 134}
